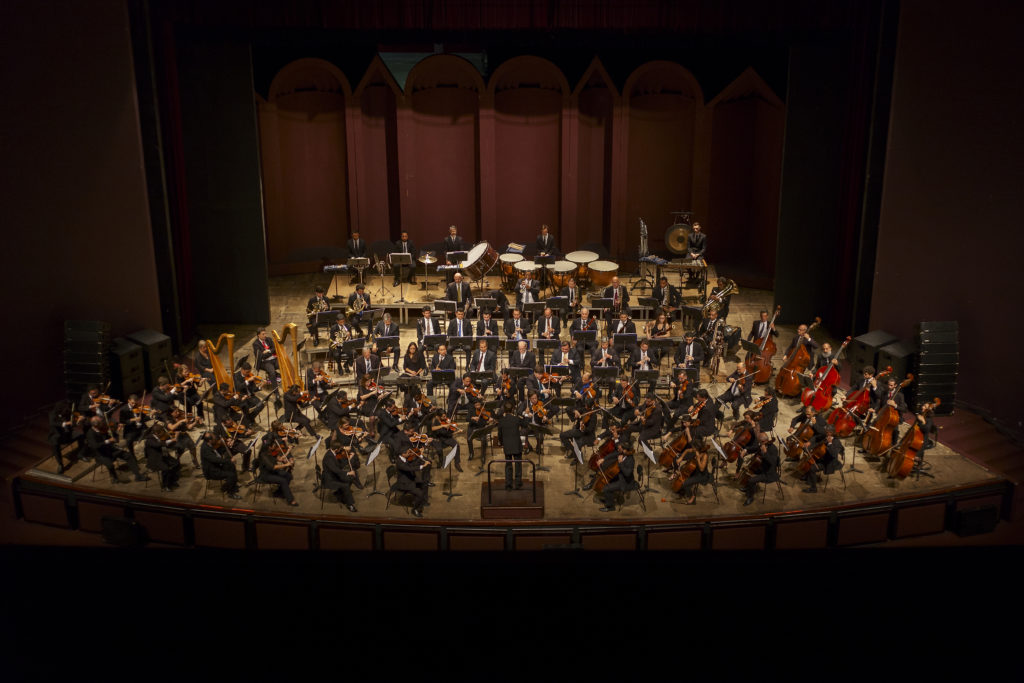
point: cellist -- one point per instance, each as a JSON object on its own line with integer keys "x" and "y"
{"x": 698, "y": 452}
{"x": 830, "y": 461}
{"x": 769, "y": 467}
{"x": 623, "y": 481}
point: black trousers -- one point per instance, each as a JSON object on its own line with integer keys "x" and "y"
{"x": 343, "y": 490}
{"x": 417, "y": 490}
{"x": 226, "y": 474}
{"x": 108, "y": 459}
{"x": 766, "y": 479}
{"x": 617, "y": 484}
{"x": 736, "y": 400}
{"x": 693, "y": 480}
{"x": 282, "y": 480}
{"x": 513, "y": 469}
{"x": 168, "y": 467}
{"x": 303, "y": 422}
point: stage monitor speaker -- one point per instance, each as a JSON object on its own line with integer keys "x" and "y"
{"x": 127, "y": 371}
{"x": 156, "y": 351}
{"x": 863, "y": 350}
{"x": 86, "y": 330}
{"x": 899, "y": 355}
{"x": 937, "y": 365}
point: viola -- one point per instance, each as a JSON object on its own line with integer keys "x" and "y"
{"x": 250, "y": 376}
{"x": 763, "y": 359}
{"x": 787, "y": 382}
{"x": 587, "y": 391}
{"x": 877, "y": 438}
{"x": 538, "y": 409}
{"x": 854, "y": 408}
{"x": 820, "y": 396}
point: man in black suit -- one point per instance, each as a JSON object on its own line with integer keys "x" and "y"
{"x": 61, "y": 429}
{"x": 572, "y": 293}
{"x": 522, "y": 358}
{"x": 367, "y": 364}
{"x": 160, "y": 461}
{"x": 483, "y": 360}
{"x": 426, "y": 326}
{"x": 829, "y": 462}
{"x": 570, "y": 358}
{"x": 487, "y": 326}
{"x": 623, "y": 481}
{"x": 690, "y": 353}
{"x": 102, "y": 445}
{"x": 266, "y": 357}
{"x": 762, "y": 327}
{"x": 386, "y": 328}
{"x": 890, "y": 395}
{"x": 619, "y": 295}
{"x": 293, "y": 409}
{"x": 587, "y": 323}
{"x": 217, "y": 465}
{"x": 739, "y": 389}
{"x": 548, "y": 327}
{"x": 413, "y": 477}
{"x": 358, "y": 309}
{"x": 440, "y": 361}
{"x": 405, "y": 246}
{"x": 696, "y": 243}
{"x": 460, "y": 327}
{"x": 769, "y": 411}
{"x": 510, "y": 426}
{"x": 517, "y": 327}
{"x": 769, "y": 467}
{"x": 667, "y": 295}
{"x": 546, "y": 242}
{"x": 459, "y": 292}
{"x": 334, "y": 411}
{"x": 162, "y": 398}
{"x": 452, "y": 243}
{"x": 356, "y": 246}
{"x": 705, "y": 418}
{"x": 803, "y": 337}
{"x": 527, "y": 291}
{"x": 317, "y": 303}
{"x": 338, "y": 477}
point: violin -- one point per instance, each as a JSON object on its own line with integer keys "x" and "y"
{"x": 144, "y": 411}
{"x": 288, "y": 433}
{"x": 482, "y": 413}
{"x": 756, "y": 408}
{"x": 538, "y": 409}
{"x": 424, "y": 402}
{"x": 250, "y": 376}
{"x": 763, "y": 359}
{"x": 104, "y": 399}
{"x": 587, "y": 391}
{"x": 444, "y": 423}
{"x": 787, "y": 382}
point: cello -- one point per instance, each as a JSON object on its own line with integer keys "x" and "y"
{"x": 854, "y": 408}
{"x": 735, "y": 447}
{"x": 762, "y": 360}
{"x": 668, "y": 455}
{"x": 904, "y": 455}
{"x": 606, "y": 475}
{"x": 820, "y": 396}
{"x": 787, "y": 382}
{"x": 877, "y": 438}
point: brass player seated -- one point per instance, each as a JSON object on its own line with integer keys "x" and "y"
{"x": 317, "y": 303}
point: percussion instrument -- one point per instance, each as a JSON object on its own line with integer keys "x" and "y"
{"x": 427, "y": 258}
{"x": 677, "y": 237}
{"x": 561, "y": 271}
{"x": 515, "y": 248}
{"x": 524, "y": 267}
{"x": 602, "y": 272}
{"x": 581, "y": 259}
{"x": 508, "y": 263}
{"x": 479, "y": 261}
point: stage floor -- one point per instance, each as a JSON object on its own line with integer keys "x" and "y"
{"x": 950, "y": 470}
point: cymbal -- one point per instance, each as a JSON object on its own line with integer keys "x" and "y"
{"x": 427, "y": 259}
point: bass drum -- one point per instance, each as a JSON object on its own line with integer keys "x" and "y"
{"x": 561, "y": 271}
{"x": 602, "y": 272}
{"x": 479, "y": 261}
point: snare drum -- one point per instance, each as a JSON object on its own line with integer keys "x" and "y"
{"x": 561, "y": 271}
{"x": 602, "y": 272}
{"x": 508, "y": 263}
{"x": 581, "y": 259}
{"x": 479, "y": 261}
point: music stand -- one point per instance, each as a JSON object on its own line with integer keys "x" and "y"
{"x": 534, "y": 307}
{"x": 623, "y": 339}
{"x": 385, "y": 344}
{"x": 584, "y": 337}
{"x": 481, "y": 377}
{"x": 604, "y": 374}
{"x": 328, "y": 318}
{"x": 442, "y": 377}
{"x": 399, "y": 259}
{"x": 484, "y": 303}
{"x": 658, "y": 346}
{"x": 544, "y": 343}
{"x": 519, "y": 373}
{"x": 432, "y": 341}
{"x": 750, "y": 347}
{"x": 648, "y": 302}
{"x": 351, "y": 345}
{"x": 559, "y": 304}
{"x": 493, "y": 342}
{"x": 512, "y": 345}
{"x": 380, "y": 267}
{"x": 649, "y": 376}
{"x": 448, "y": 461}
{"x": 359, "y": 263}
{"x": 463, "y": 343}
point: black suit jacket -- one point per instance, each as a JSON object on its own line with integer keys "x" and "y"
{"x": 510, "y": 327}
{"x": 490, "y": 361}
{"x": 453, "y": 328}
{"x": 382, "y": 330}
{"x": 695, "y": 350}
{"x": 454, "y": 244}
{"x": 564, "y": 291}
{"x": 556, "y": 326}
{"x": 447, "y": 363}
{"x": 595, "y": 358}
{"x": 421, "y": 332}
{"x": 411, "y": 249}
{"x": 609, "y": 293}
{"x": 755, "y": 330}
{"x": 673, "y": 295}
{"x": 356, "y": 250}
{"x": 262, "y": 354}
{"x": 352, "y": 297}
{"x": 696, "y": 243}
{"x": 629, "y": 328}
{"x": 451, "y": 293}
{"x": 361, "y": 365}
{"x": 546, "y": 243}
{"x": 509, "y": 428}
{"x": 528, "y": 360}
{"x": 491, "y": 325}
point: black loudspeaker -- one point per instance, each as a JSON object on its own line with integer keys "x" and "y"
{"x": 937, "y": 365}
{"x": 974, "y": 521}
{"x": 863, "y": 350}
{"x": 123, "y": 532}
{"x": 86, "y": 343}
{"x": 156, "y": 353}
{"x": 898, "y": 355}
{"x": 127, "y": 370}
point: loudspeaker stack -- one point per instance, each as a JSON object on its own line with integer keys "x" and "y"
{"x": 86, "y": 362}
{"x": 938, "y": 362}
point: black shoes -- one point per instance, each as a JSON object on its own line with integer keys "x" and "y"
{"x": 316, "y": 341}
{"x": 234, "y": 496}
{"x": 607, "y": 509}
{"x": 141, "y": 478}
{"x": 588, "y": 487}
{"x": 416, "y": 512}
{"x": 811, "y": 489}
{"x": 519, "y": 485}
{"x": 395, "y": 284}
{"x": 748, "y": 501}
{"x": 352, "y": 508}
{"x": 458, "y": 467}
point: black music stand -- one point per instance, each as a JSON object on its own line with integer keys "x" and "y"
{"x": 442, "y": 378}
{"x": 484, "y": 303}
{"x": 750, "y": 347}
{"x": 384, "y": 345}
{"x": 563, "y": 403}
{"x": 545, "y": 273}
{"x": 512, "y": 345}
{"x": 447, "y": 306}
{"x": 546, "y": 344}
{"x": 325, "y": 318}
{"x": 660, "y": 345}
{"x": 432, "y": 341}
{"x": 648, "y": 302}
{"x": 493, "y": 341}
{"x": 605, "y": 376}
{"x": 481, "y": 377}
{"x": 584, "y": 338}
{"x": 359, "y": 264}
{"x": 519, "y": 373}
{"x": 623, "y": 340}
{"x": 483, "y": 431}
{"x": 648, "y": 376}
{"x": 534, "y": 307}
{"x": 560, "y": 305}
{"x": 397, "y": 261}
{"x": 464, "y": 343}
{"x": 352, "y": 345}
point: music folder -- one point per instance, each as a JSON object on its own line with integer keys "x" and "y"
{"x": 601, "y": 303}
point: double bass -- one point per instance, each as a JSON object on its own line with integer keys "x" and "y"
{"x": 854, "y": 408}
{"x": 877, "y": 438}
{"x": 903, "y": 456}
{"x": 787, "y": 382}
{"x": 762, "y": 360}
{"x": 820, "y": 395}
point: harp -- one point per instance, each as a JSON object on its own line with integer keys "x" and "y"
{"x": 219, "y": 373}
{"x": 287, "y": 366}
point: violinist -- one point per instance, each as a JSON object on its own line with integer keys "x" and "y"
{"x": 540, "y": 383}
{"x": 769, "y": 410}
{"x": 234, "y": 435}
{"x": 217, "y": 465}
{"x": 683, "y": 391}
{"x": 460, "y": 327}
{"x": 367, "y": 364}
{"x": 369, "y": 397}
{"x": 584, "y": 427}
{"x": 389, "y": 421}
{"x": 203, "y": 363}
{"x": 246, "y": 385}
{"x": 443, "y": 433}
{"x": 339, "y": 475}
{"x": 189, "y": 396}
{"x": 340, "y": 333}
{"x": 132, "y": 416}
{"x": 624, "y": 400}
{"x": 484, "y": 360}
{"x": 479, "y": 418}
{"x": 619, "y": 295}
{"x": 101, "y": 443}
{"x": 510, "y": 427}
{"x": 830, "y": 461}
{"x": 413, "y": 477}
{"x": 585, "y": 389}
{"x": 318, "y": 383}
{"x": 536, "y": 414}
{"x": 61, "y": 430}
{"x": 623, "y": 481}
{"x": 698, "y": 453}
{"x": 93, "y": 403}
{"x": 159, "y": 460}
{"x": 762, "y": 327}
{"x": 358, "y": 304}
{"x": 464, "y": 394}
{"x": 337, "y": 407}
{"x": 294, "y": 399}
{"x": 486, "y": 327}
{"x": 740, "y": 385}
{"x": 769, "y": 455}
{"x": 317, "y": 303}
{"x": 386, "y": 328}
{"x": 275, "y": 467}
{"x": 178, "y": 423}
{"x": 690, "y": 353}
{"x": 584, "y": 323}
{"x": 506, "y": 387}
{"x": 572, "y": 294}
{"x": 803, "y": 337}
{"x": 667, "y": 295}
{"x": 706, "y": 414}
{"x": 440, "y": 361}
{"x": 266, "y": 357}
{"x": 649, "y": 420}
{"x": 224, "y": 402}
